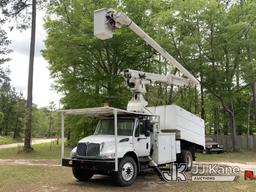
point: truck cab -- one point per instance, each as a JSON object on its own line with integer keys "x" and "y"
{"x": 96, "y": 153}
{"x": 133, "y": 136}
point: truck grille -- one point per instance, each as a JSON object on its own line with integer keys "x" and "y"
{"x": 93, "y": 149}
{"x": 88, "y": 149}
{"x": 81, "y": 149}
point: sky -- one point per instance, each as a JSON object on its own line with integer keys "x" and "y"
{"x": 42, "y": 89}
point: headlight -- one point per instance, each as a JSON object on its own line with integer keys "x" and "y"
{"x": 73, "y": 152}
{"x": 101, "y": 146}
{"x": 107, "y": 156}
{"x": 220, "y": 146}
{"x": 209, "y": 146}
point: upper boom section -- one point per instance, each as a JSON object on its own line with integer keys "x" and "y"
{"x": 106, "y": 20}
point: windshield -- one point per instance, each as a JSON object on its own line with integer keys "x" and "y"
{"x": 106, "y": 127}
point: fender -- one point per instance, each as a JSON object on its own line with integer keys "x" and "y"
{"x": 135, "y": 156}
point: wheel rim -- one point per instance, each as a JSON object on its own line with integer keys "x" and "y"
{"x": 189, "y": 161}
{"x": 127, "y": 171}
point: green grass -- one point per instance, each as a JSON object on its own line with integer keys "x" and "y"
{"x": 41, "y": 151}
{"x": 7, "y": 140}
{"x": 247, "y": 156}
{"x": 35, "y": 178}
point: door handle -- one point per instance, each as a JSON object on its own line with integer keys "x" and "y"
{"x": 140, "y": 138}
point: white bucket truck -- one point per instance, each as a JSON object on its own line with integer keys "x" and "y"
{"x": 127, "y": 142}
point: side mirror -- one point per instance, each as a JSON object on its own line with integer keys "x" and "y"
{"x": 148, "y": 126}
{"x": 147, "y": 133}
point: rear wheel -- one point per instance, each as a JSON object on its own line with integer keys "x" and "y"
{"x": 127, "y": 171}
{"x": 82, "y": 174}
{"x": 187, "y": 158}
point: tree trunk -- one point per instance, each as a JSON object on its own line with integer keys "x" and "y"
{"x": 68, "y": 134}
{"x": 16, "y": 130}
{"x": 254, "y": 99}
{"x": 218, "y": 122}
{"x": 248, "y": 124}
{"x": 196, "y": 102}
{"x": 202, "y": 102}
{"x": 232, "y": 124}
{"x": 253, "y": 86}
{"x": 6, "y": 125}
{"x": 27, "y": 139}
{"x": 215, "y": 126}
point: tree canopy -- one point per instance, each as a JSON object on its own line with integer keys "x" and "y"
{"x": 214, "y": 40}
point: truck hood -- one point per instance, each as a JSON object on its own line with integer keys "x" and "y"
{"x": 103, "y": 139}
{"x": 107, "y": 143}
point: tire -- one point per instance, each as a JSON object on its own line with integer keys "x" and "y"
{"x": 127, "y": 171}
{"x": 187, "y": 158}
{"x": 82, "y": 174}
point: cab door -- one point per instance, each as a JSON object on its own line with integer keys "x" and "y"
{"x": 140, "y": 141}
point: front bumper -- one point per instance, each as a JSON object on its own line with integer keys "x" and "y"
{"x": 90, "y": 164}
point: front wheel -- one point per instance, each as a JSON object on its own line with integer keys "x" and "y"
{"x": 82, "y": 174}
{"x": 127, "y": 171}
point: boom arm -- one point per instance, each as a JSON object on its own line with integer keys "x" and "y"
{"x": 106, "y": 20}
{"x": 153, "y": 77}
